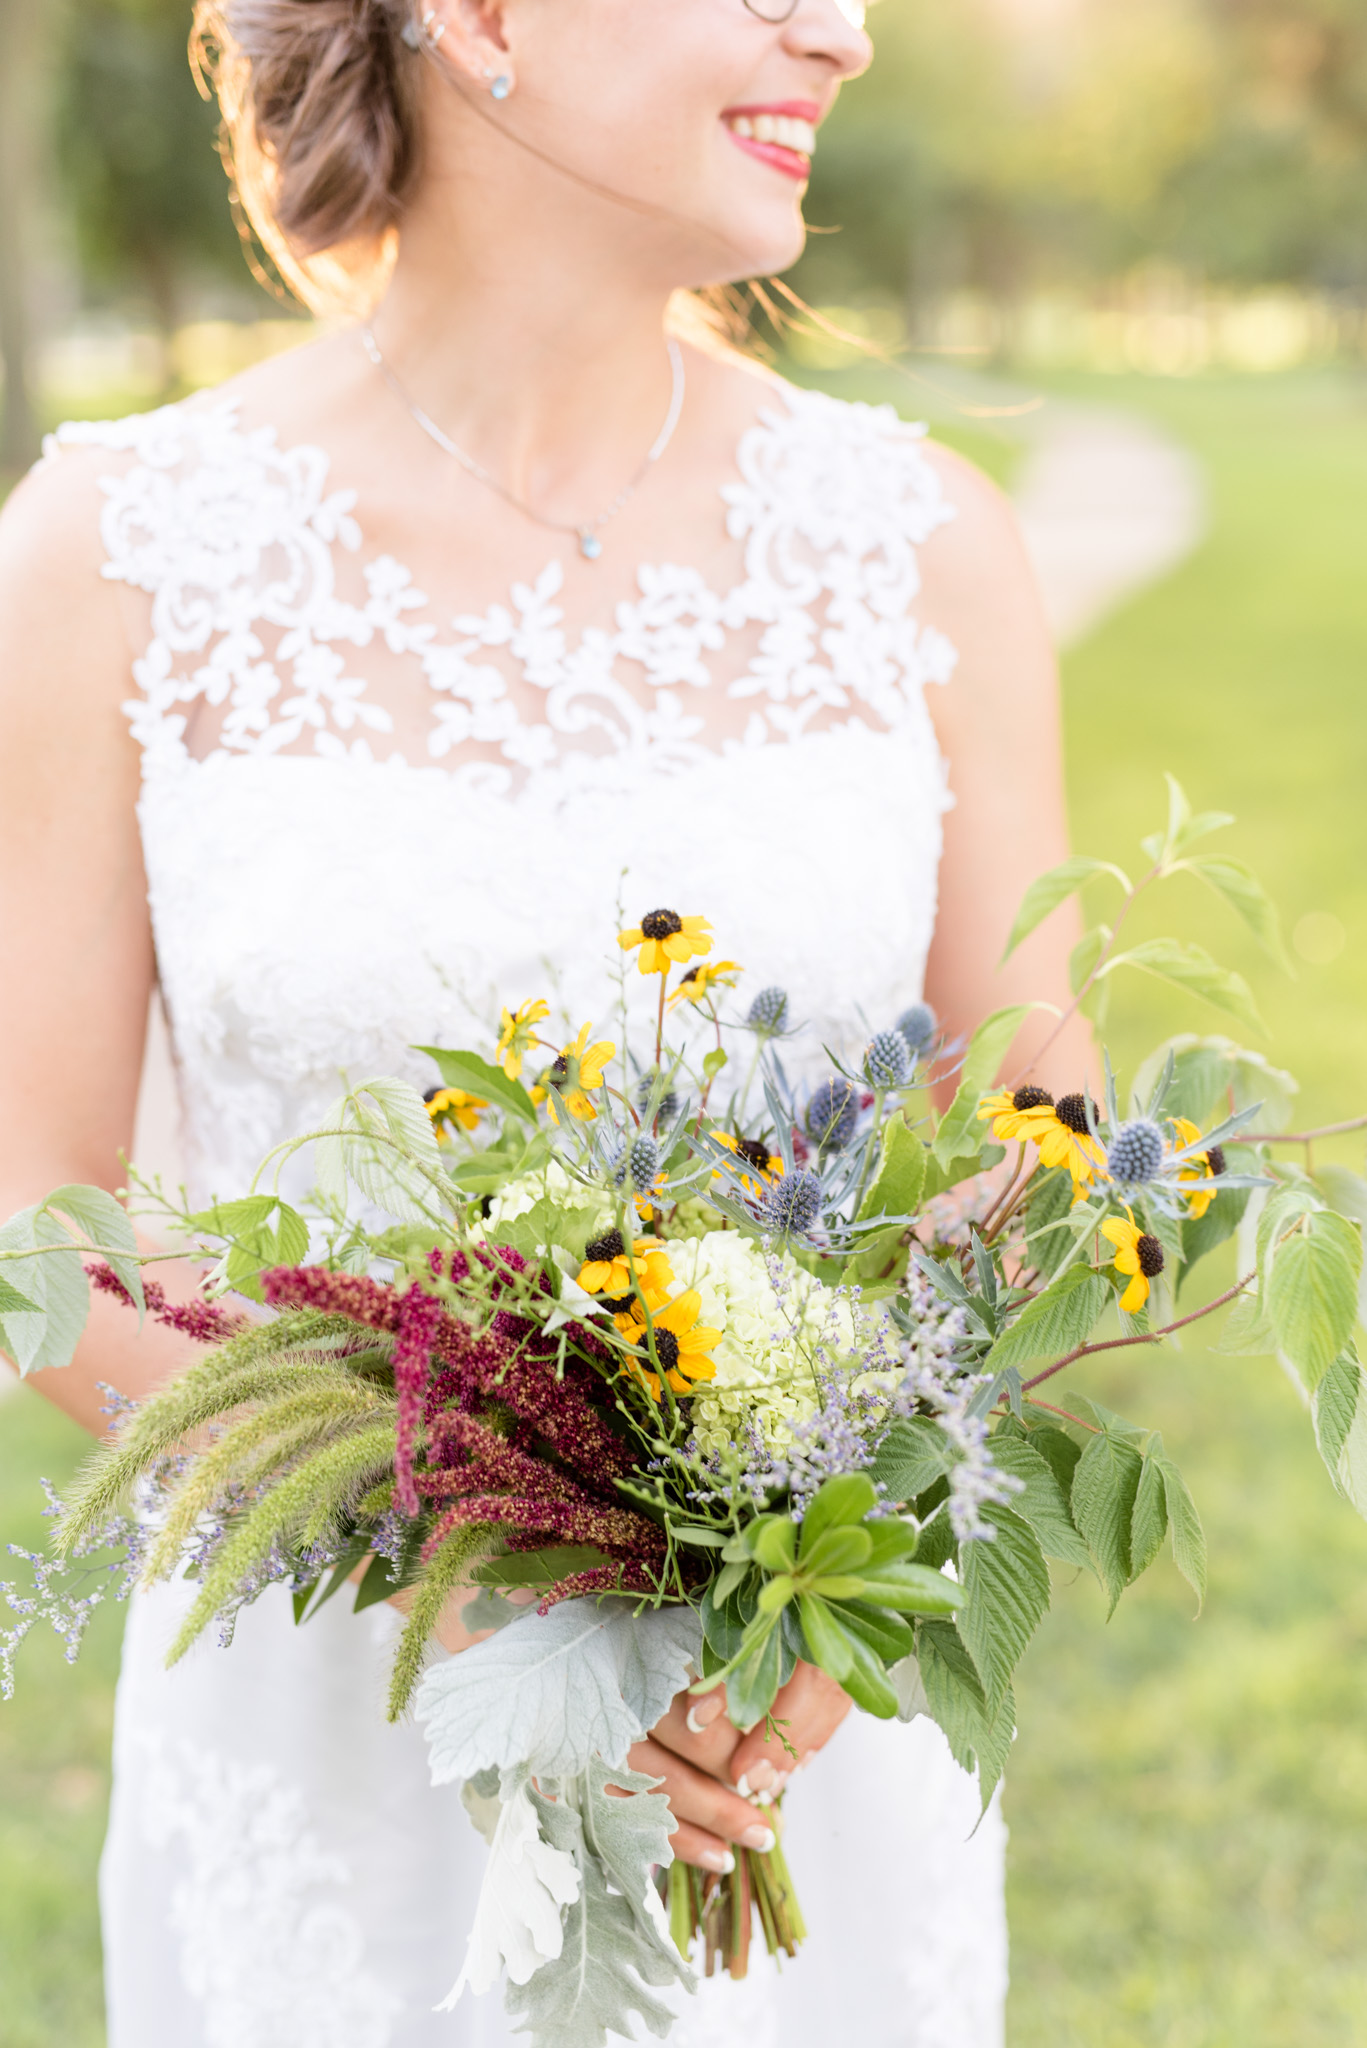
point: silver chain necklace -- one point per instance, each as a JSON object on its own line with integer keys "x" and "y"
{"x": 586, "y": 532}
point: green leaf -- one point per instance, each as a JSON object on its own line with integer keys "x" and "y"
{"x": 911, "y": 1457}
{"x": 1059, "y": 1451}
{"x": 830, "y": 1646}
{"x": 1006, "y": 1587}
{"x": 837, "y": 1501}
{"x": 1213, "y": 1075}
{"x": 1311, "y": 1293}
{"x": 1245, "y": 896}
{"x": 1046, "y": 1220}
{"x": 598, "y": 1981}
{"x": 1191, "y": 968}
{"x": 1201, "y": 1234}
{"x": 714, "y": 1061}
{"x": 960, "y": 1133}
{"x": 14, "y": 1303}
{"x": 1049, "y": 890}
{"x": 478, "y": 1077}
{"x": 1183, "y": 829}
{"x": 1149, "y": 1520}
{"x": 1105, "y": 1486}
{"x": 1188, "y": 1537}
{"x": 979, "y": 1740}
{"x": 753, "y": 1683}
{"x": 105, "y": 1222}
{"x": 837, "y": 1551}
{"x": 774, "y": 1543}
{"x": 887, "y": 1634}
{"x": 1247, "y": 1333}
{"x": 1043, "y": 1502}
{"x": 896, "y": 1186}
{"x": 911, "y": 1589}
{"x": 387, "y": 1149}
{"x": 54, "y": 1281}
{"x": 1340, "y": 1416}
{"x": 1056, "y": 1321}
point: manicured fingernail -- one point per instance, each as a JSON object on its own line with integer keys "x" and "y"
{"x": 703, "y": 1712}
{"x": 761, "y": 1840}
{"x": 720, "y": 1860}
{"x": 764, "y": 1798}
{"x": 780, "y": 1780}
{"x": 758, "y": 1778}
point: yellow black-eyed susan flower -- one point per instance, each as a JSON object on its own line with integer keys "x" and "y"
{"x": 608, "y": 1267}
{"x": 700, "y": 980}
{"x": 666, "y": 938}
{"x": 578, "y": 1070}
{"x": 1138, "y": 1254}
{"x": 1058, "y": 1130}
{"x": 768, "y": 1165}
{"x": 518, "y": 1035}
{"x": 1208, "y": 1165}
{"x": 681, "y": 1345}
{"x": 1017, "y": 1113}
{"x": 449, "y": 1106}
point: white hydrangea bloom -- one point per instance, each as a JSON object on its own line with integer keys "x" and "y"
{"x": 781, "y": 1328}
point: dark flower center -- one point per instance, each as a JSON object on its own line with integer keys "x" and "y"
{"x": 667, "y": 1349}
{"x": 692, "y": 973}
{"x": 1216, "y": 1161}
{"x": 618, "y": 1304}
{"x": 754, "y": 1154}
{"x": 604, "y": 1248}
{"x": 430, "y": 1095}
{"x": 560, "y": 1068}
{"x": 1072, "y": 1111}
{"x": 661, "y": 924}
{"x": 1032, "y": 1098}
{"x": 1150, "y": 1255}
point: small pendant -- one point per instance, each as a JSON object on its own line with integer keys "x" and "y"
{"x": 590, "y": 547}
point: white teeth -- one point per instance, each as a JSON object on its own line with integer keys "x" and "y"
{"x": 784, "y": 129}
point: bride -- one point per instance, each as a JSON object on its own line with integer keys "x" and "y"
{"x": 334, "y": 704}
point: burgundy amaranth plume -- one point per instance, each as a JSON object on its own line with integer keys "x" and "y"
{"x": 490, "y": 1464}
{"x": 606, "y": 1578}
{"x": 616, "y": 1530}
{"x": 420, "y": 1315}
{"x": 202, "y": 1320}
{"x": 371, "y": 1302}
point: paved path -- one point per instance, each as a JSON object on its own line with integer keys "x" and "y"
{"x": 1108, "y": 505}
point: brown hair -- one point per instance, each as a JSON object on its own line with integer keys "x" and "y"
{"x": 320, "y": 133}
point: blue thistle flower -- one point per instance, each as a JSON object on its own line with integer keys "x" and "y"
{"x": 769, "y": 1011}
{"x": 643, "y": 1163}
{"x": 792, "y": 1205}
{"x": 1136, "y": 1152}
{"x": 832, "y": 1113}
{"x": 918, "y": 1026}
{"x": 668, "y": 1106}
{"x": 887, "y": 1060}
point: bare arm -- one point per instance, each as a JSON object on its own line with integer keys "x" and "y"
{"x": 999, "y": 727}
{"x": 75, "y": 939}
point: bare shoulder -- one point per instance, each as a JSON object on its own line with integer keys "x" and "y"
{"x": 980, "y": 548}
{"x": 63, "y": 642}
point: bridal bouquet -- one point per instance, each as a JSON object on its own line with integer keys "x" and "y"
{"x": 713, "y": 1372}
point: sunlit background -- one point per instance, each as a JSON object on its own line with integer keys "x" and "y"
{"x": 1117, "y": 251}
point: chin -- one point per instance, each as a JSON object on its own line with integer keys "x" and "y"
{"x": 765, "y": 251}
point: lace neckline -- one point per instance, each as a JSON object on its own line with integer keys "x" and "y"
{"x": 239, "y": 541}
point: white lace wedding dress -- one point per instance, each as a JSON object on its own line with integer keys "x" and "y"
{"x": 366, "y": 824}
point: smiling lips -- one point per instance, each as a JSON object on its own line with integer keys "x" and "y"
{"x": 782, "y": 135}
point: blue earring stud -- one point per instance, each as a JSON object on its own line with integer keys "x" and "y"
{"x": 501, "y": 87}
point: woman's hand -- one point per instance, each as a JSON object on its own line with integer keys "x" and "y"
{"x": 701, "y": 1756}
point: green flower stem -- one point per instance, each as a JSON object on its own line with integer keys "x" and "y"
{"x": 1155, "y": 874}
{"x": 880, "y": 1096}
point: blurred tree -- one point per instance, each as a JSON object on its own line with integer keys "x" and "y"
{"x": 136, "y": 147}
{"x": 22, "y": 38}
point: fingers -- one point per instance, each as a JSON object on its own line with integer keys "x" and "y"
{"x": 808, "y": 1710}
{"x": 710, "y": 1745}
{"x": 711, "y": 1818}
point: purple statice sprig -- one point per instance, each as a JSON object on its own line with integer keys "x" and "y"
{"x": 66, "y": 1591}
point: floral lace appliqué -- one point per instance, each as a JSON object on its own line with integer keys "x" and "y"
{"x": 276, "y": 1961}
{"x": 235, "y": 539}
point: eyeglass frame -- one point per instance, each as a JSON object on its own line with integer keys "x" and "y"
{"x": 849, "y": 8}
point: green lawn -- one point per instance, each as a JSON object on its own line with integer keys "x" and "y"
{"x": 1188, "y": 1801}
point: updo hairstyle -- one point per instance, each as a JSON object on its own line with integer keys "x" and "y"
{"x": 320, "y": 133}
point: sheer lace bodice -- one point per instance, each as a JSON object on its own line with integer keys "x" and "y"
{"x": 325, "y": 895}
{"x": 368, "y": 819}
